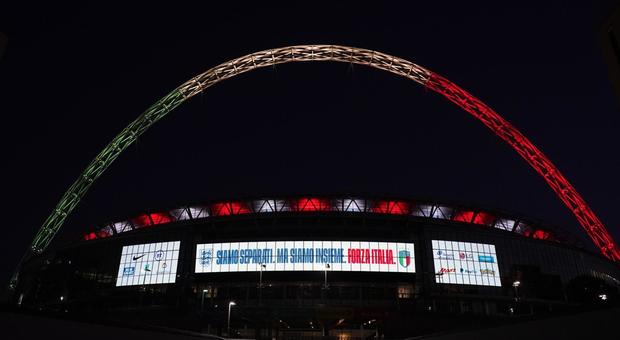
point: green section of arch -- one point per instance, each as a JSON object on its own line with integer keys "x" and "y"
{"x": 103, "y": 160}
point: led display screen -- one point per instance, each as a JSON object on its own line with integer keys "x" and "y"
{"x": 465, "y": 263}
{"x": 150, "y": 263}
{"x": 354, "y": 256}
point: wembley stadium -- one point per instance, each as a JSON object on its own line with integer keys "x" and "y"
{"x": 320, "y": 266}
{"x": 304, "y": 266}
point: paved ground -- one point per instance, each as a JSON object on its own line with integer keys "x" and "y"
{"x": 600, "y": 324}
{"x": 24, "y": 326}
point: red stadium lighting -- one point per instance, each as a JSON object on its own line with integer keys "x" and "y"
{"x": 220, "y": 209}
{"x": 483, "y": 217}
{"x": 239, "y": 208}
{"x": 314, "y": 204}
{"x": 391, "y": 207}
{"x": 311, "y": 204}
{"x": 103, "y": 233}
{"x": 229, "y": 208}
{"x": 463, "y": 216}
{"x": 469, "y": 216}
{"x": 160, "y": 218}
{"x": 541, "y": 234}
{"x": 90, "y": 236}
{"x": 141, "y": 221}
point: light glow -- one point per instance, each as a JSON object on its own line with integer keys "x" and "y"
{"x": 354, "y": 256}
{"x": 150, "y": 263}
{"x": 465, "y": 263}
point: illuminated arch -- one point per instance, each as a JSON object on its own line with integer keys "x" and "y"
{"x": 565, "y": 191}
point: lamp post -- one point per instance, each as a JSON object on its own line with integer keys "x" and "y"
{"x": 230, "y": 304}
{"x": 516, "y": 284}
{"x": 202, "y": 301}
{"x": 325, "y": 286}
{"x": 260, "y": 283}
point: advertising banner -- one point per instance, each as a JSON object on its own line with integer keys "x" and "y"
{"x": 150, "y": 263}
{"x": 465, "y": 263}
{"x": 354, "y": 256}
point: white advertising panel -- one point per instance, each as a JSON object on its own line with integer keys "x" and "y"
{"x": 354, "y": 256}
{"x": 150, "y": 263}
{"x": 465, "y": 263}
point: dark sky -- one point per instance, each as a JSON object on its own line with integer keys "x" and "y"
{"x": 73, "y": 77}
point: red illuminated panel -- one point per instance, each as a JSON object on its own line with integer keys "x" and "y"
{"x": 484, "y": 217}
{"x": 463, "y": 216}
{"x": 141, "y": 221}
{"x": 90, "y": 236}
{"x": 541, "y": 235}
{"x": 103, "y": 233}
{"x": 161, "y": 218}
{"x": 239, "y": 208}
{"x": 311, "y": 204}
{"x": 220, "y": 209}
{"x": 229, "y": 208}
{"x": 391, "y": 207}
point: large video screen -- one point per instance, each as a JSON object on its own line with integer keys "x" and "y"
{"x": 354, "y": 256}
{"x": 465, "y": 263}
{"x": 150, "y": 263}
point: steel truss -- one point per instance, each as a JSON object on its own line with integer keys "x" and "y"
{"x": 560, "y": 185}
{"x": 351, "y": 205}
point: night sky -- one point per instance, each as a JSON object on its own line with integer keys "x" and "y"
{"x": 71, "y": 78}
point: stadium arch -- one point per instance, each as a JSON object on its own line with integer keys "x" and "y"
{"x": 502, "y": 128}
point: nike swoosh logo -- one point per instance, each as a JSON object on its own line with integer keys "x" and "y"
{"x": 138, "y": 257}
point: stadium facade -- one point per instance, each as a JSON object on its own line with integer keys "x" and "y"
{"x": 294, "y": 267}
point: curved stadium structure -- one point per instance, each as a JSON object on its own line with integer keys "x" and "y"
{"x": 310, "y": 266}
{"x": 304, "y": 267}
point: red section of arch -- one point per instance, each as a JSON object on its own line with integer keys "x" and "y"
{"x": 563, "y": 189}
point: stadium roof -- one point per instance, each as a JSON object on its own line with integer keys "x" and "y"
{"x": 343, "y": 205}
